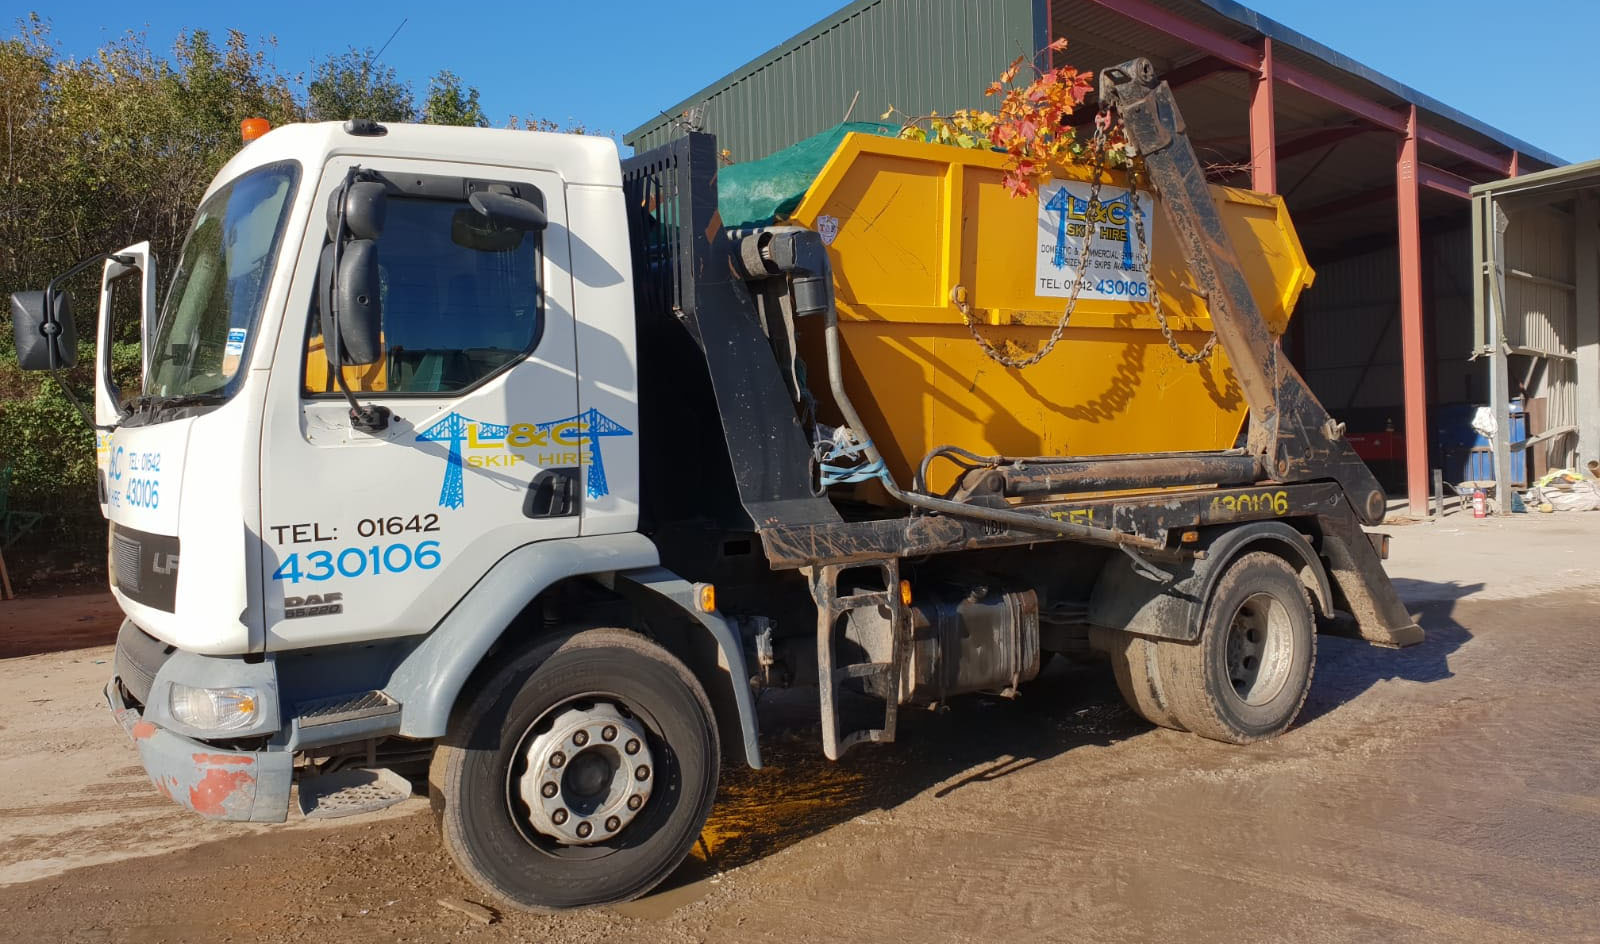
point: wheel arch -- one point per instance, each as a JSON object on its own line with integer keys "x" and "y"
{"x": 1126, "y": 598}
{"x": 435, "y": 676}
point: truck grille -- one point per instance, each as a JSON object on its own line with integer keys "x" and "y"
{"x": 125, "y": 561}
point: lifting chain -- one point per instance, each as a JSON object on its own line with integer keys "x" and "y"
{"x": 1192, "y": 357}
{"x": 1104, "y": 121}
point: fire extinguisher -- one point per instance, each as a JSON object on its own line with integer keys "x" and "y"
{"x": 1480, "y": 504}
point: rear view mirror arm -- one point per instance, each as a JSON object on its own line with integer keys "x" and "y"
{"x": 52, "y": 326}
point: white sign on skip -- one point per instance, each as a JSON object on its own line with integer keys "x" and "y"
{"x": 1114, "y": 271}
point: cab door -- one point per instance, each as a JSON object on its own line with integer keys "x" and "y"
{"x": 127, "y": 286}
{"x": 373, "y": 534}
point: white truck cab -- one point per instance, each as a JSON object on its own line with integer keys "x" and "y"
{"x": 251, "y": 515}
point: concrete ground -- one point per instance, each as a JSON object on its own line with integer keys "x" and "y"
{"x": 1446, "y": 792}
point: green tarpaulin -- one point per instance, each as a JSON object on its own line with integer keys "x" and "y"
{"x": 758, "y": 193}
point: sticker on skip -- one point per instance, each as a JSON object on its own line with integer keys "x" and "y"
{"x": 828, "y": 228}
{"x": 235, "y": 346}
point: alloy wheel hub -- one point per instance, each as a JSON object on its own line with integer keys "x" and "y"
{"x": 588, "y": 776}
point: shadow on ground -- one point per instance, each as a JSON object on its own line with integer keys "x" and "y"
{"x": 1348, "y": 667}
{"x": 800, "y": 793}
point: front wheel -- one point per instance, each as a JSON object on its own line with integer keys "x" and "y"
{"x": 581, "y": 775}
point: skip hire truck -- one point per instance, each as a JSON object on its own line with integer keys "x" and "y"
{"x": 483, "y": 453}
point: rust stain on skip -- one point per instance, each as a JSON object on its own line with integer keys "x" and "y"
{"x": 210, "y": 796}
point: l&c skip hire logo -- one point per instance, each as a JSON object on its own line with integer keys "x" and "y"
{"x": 575, "y": 440}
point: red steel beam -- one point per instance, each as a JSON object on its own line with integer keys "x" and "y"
{"x": 1196, "y": 70}
{"x": 1363, "y": 108}
{"x": 1437, "y": 178}
{"x": 1413, "y": 358}
{"x": 1242, "y": 56}
{"x": 1263, "y": 126}
{"x": 1320, "y": 138}
{"x": 1354, "y": 201}
{"x": 1234, "y": 53}
{"x": 1504, "y": 166}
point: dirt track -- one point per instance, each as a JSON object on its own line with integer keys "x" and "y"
{"x": 1446, "y": 792}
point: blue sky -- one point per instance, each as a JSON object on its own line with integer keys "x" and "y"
{"x": 610, "y": 63}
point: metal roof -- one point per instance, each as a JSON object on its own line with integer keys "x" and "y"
{"x": 1266, "y": 26}
{"x": 1546, "y": 182}
{"x": 1095, "y": 29}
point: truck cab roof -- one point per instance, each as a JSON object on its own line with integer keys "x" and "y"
{"x": 579, "y": 159}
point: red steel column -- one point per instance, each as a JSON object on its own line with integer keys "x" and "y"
{"x": 1412, "y": 354}
{"x": 1263, "y": 130}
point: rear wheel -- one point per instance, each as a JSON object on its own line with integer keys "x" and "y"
{"x": 1135, "y": 663}
{"x": 581, "y": 775}
{"x": 1250, "y": 671}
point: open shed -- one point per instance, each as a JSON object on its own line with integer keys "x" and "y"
{"x": 1377, "y": 176}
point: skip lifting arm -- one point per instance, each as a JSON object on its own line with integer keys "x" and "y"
{"x": 1291, "y": 434}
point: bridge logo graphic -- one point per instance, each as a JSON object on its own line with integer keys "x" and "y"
{"x": 589, "y": 427}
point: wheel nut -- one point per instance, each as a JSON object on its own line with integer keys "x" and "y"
{"x": 643, "y": 773}
{"x": 558, "y": 817}
{"x": 548, "y": 790}
{"x": 632, "y": 747}
{"x": 581, "y": 738}
{"x": 613, "y": 824}
{"x": 584, "y": 829}
{"x": 635, "y": 801}
{"x": 608, "y": 733}
{"x": 557, "y": 759}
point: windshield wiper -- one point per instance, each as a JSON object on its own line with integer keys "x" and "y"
{"x": 156, "y": 403}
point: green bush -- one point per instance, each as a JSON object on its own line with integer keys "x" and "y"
{"x": 113, "y": 149}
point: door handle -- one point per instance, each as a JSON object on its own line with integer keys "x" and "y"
{"x": 553, "y": 493}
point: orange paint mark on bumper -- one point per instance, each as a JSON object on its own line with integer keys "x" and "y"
{"x": 209, "y": 797}
{"x": 142, "y": 730}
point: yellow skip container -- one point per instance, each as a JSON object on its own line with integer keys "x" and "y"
{"x": 907, "y": 223}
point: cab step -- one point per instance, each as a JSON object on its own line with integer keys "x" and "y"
{"x": 349, "y": 792}
{"x": 831, "y": 606}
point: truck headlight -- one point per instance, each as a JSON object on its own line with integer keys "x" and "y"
{"x": 215, "y": 709}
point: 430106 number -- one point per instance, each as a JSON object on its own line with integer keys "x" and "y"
{"x": 355, "y": 562}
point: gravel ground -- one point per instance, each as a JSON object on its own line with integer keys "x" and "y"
{"x": 1446, "y": 792}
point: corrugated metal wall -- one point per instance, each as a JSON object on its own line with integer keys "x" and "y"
{"x": 918, "y": 55}
{"x": 1351, "y": 317}
{"x": 1539, "y": 275}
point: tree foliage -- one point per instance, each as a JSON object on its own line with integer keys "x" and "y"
{"x": 104, "y": 151}
{"x": 1032, "y": 124}
{"x": 352, "y": 85}
{"x": 450, "y": 102}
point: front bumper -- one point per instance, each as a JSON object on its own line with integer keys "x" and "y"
{"x": 243, "y": 786}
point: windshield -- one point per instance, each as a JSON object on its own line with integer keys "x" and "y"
{"x": 210, "y": 315}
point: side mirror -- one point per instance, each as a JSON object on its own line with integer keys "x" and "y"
{"x": 47, "y": 338}
{"x": 355, "y": 306}
{"x": 366, "y": 205}
{"x": 358, "y": 300}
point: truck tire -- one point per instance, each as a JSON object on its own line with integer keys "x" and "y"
{"x": 1247, "y": 675}
{"x": 1135, "y": 663}
{"x": 580, "y": 775}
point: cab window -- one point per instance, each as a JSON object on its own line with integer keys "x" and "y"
{"x": 456, "y": 310}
